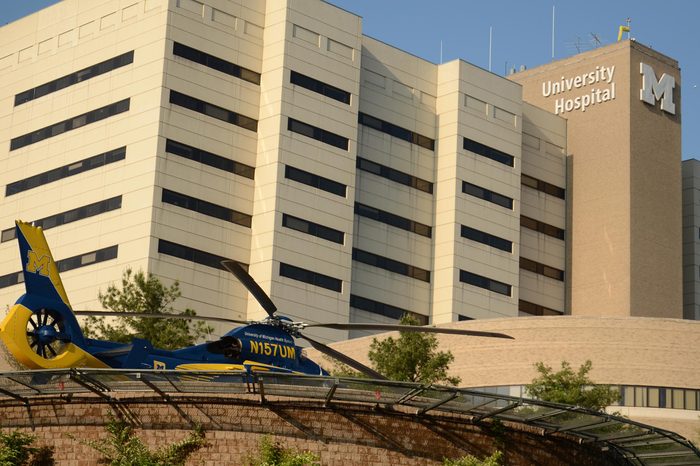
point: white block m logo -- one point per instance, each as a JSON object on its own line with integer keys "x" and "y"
{"x": 653, "y": 90}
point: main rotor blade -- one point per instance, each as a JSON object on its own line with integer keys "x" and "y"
{"x": 156, "y": 316}
{"x": 252, "y": 286}
{"x": 411, "y": 328}
{"x": 344, "y": 358}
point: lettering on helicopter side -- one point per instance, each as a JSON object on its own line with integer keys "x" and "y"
{"x": 267, "y": 348}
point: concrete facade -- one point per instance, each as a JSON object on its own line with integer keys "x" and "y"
{"x": 691, "y": 239}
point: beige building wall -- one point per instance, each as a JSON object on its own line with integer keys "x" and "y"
{"x": 624, "y": 158}
{"x": 691, "y": 239}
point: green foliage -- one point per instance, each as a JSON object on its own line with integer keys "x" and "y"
{"x": 412, "y": 357}
{"x": 16, "y": 450}
{"x": 469, "y": 460}
{"x": 271, "y": 453}
{"x": 123, "y": 448}
{"x": 572, "y": 388}
{"x": 145, "y": 294}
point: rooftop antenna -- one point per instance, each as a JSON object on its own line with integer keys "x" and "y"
{"x": 552, "y": 32}
{"x": 441, "y": 51}
{"x": 490, "y": 44}
{"x": 624, "y": 29}
{"x": 596, "y": 39}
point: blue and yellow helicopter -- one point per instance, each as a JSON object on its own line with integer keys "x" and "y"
{"x": 41, "y": 330}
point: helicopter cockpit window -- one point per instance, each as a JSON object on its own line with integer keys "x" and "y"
{"x": 233, "y": 350}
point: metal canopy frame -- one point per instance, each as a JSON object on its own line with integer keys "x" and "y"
{"x": 636, "y": 443}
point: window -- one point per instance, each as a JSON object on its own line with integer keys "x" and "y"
{"x": 206, "y": 208}
{"x": 207, "y": 158}
{"x": 215, "y": 63}
{"x": 319, "y": 134}
{"x": 393, "y": 220}
{"x": 386, "y": 310}
{"x": 390, "y": 265}
{"x": 65, "y": 171}
{"x": 488, "y": 152}
{"x": 319, "y": 87}
{"x": 190, "y": 254}
{"x": 74, "y": 78}
{"x": 462, "y": 318}
{"x": 543, "y": 186}
{"x": 541, "y": 269}
{"x": 315, "y": 181}
{"x": 487, "y": 195}
{"x": 314, "y": 229}
{"x": 533, "y": 309}
{"x": 396, "y": 131}
{"x": 394, "y": 175}
{"x": 541, "y": 227}
{"x": 70, "y": 124}
{"x": 69, "y": 216}
{"x": 486, "y": 238}
{"x": 313, "y": 278}
{"x": 485, "y": 282}
{"x": 213, "y": 111}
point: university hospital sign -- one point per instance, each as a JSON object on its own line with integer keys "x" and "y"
{"x": 599, "y": 87}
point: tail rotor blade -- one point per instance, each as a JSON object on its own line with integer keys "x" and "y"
{"x": 411, "y": 328}
{"x": 344, "y": 359}
{"x": 252, "y": 286}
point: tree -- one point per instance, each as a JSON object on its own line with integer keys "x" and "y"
{"x": 16, "y": 450}
{"x": 271, "y": 453}
{"x": 470, "y": 460}
{"x": 145, "y": 294}
{"x": 572, "y": 388}
{"x": 412, "y": 357}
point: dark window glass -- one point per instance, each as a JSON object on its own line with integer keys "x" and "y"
{"x": 74, "y": 78}
{"x": 69, "y": 124}
{"x": 213, "y": 111}
{"x": 190, "y": 254}
{"x": 541, "y": 269}
{"x": 313, "y": 278}
{"x": 314, "y": 229}
{"x": 319, "y": 87}
{"x": 536, "y": 309}
{"x": 462, "y": 318}
{"x": 207, "y": 158}
{"x": 484, "y": 282}
{"x": 487, "y": 195}
{"x": 387, "y": 310}
{"x": 316, "y": 181}
{"x": 392, "y": 219}
{"x": 486, "y": 238}
{"x": 396, "y": 131}
{"x": 488, "y": 152}
{"x": 543, "y": 186}
{"x": 66, "y": 171}
{"x": 390, "y": 265}
{"x": 394, "y": 175}
{"x": 319, "y": 134}
{"x": 215, "y": 63}
{"x": 542, "y": 227}
{"x": 206, "y": 208}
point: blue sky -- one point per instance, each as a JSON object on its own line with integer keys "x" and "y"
{"x": 522, "y": 34}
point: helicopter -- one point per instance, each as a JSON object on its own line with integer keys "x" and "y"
{"x": 41, "y": 330}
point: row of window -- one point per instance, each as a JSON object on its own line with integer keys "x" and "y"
{"x": 216, "y": 63}
{"x": 394, "y": 175}
{"x": 485, "y": 282}
{"x": 543, "y": 186}
{"x": 210, "y": 159}
{"x": 311, "y": 277}
{"x": 487, "y": 238}
{"x": 487, "y": 195}
{"x": 74, "y": 78}
{"x": 396, "y": 131}
{"x": 488, "y": 152}
{"x": 390, "y": 264}
{"x": 319, "y": 87}
{"x": 70, "y": 263}
{"x": 191, "y": 254}
{"x": 393, "y": 220}
{"x": 214, "y": 111}
{"x": 315, "y": 181}
{"x": 206, "y": 208}
{"x": 541, "y": 227}
{"x": 536, "y": 309}
{"x": 70, "y": 124}
{"x": 541, "y": 269}
{"x": 65, "y": 171}
{"x": 314, "y": 229}
{"x": 382, "y": 309}
{"x": 317, "y": 133}
{"x": 69, "y": 216}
